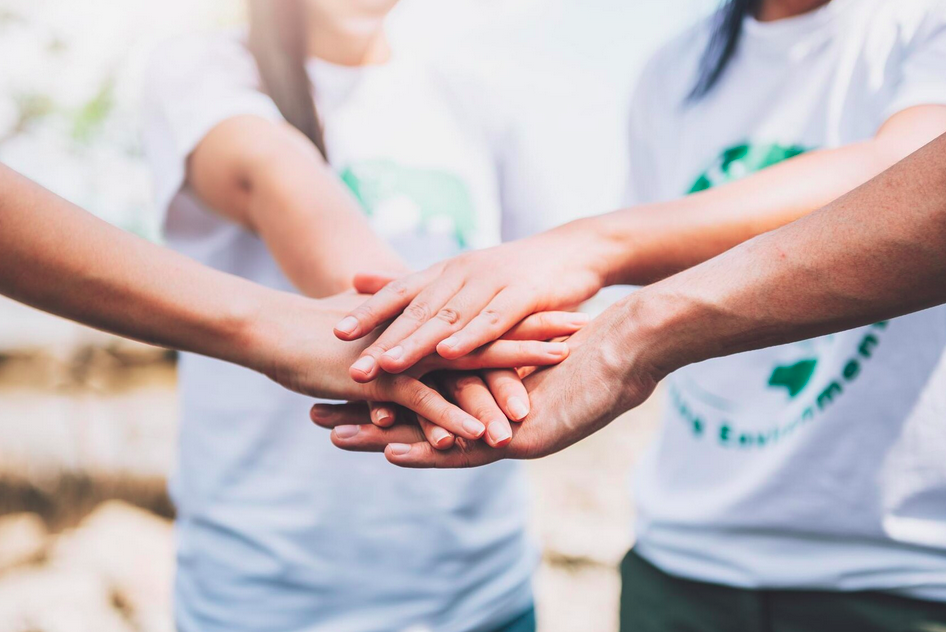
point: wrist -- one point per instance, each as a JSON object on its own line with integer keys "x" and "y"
{"x": 256, "y": 330}
{"x": 592, "y": 246}
{"x": 661, "y": 329}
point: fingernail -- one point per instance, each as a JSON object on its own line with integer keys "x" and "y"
{"x": 394, "y": 353}
{"x": 346, "y": 432}
{"x": 365, "y": 364}
{"x": 347, "y": 325}
{"x": 474, "y": 427}
{"x": 499, "y": 432}
{"x": 382, "y": 417}
{"x": 399, "y": 449}
{"x": 557, "y": 348}
{"x": 517, "y": 408}
{"x": 451, "y": 342}
{"x": 579, "y": 318}
{"x": 440, "y": 436}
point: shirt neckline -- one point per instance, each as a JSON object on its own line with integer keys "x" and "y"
{"x": 790, "y": 31}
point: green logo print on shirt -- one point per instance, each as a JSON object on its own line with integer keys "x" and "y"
{"x": 794, "y": 377}
{"x": 742, "y": 160}
{"x": 714, "y": 414}
{"x": 732, "y": 164}
{"x": 425, "y": 199}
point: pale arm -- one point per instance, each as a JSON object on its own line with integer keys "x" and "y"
{"x": 271, "y": 179}
{"x": 58, "y": 258}
{"x": 647, "y": 243}
{"x": 459, "y": 305}
{"x": 876, "y": 253}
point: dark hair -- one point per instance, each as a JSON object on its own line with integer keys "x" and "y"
{"x": 723, "y": 44}
{"x": 278, "y": 42}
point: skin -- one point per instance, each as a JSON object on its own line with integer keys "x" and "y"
{"x": 875, "y": 253}
{"x": 56, "y": 257}
{"x": 456, "y": 306}
{"x": 269, "y": 178}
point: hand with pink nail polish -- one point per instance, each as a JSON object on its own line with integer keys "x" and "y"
{"x": 459, "y": 305}
{"x": 292, "y": 343}
{"x": 605, "y": 374}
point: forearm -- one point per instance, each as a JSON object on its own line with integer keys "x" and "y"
{"x": 269, "y": 178}
{"x": 58, "y": 258}
{"x": 876, "y": 253}
{"x": 651, "y": 242}
{"x": 315, "y": 230}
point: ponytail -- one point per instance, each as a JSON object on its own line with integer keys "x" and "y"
{"x": 722, "y": 45}
{"x": 278, "y": 42}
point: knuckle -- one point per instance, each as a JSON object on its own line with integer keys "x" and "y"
{"x": 449, "y": 315}
{"x": 491, "y": 316}
{"x": 418, "y": 311}
{"x": 420, "y": 397}
{"x": 464, "y": 452}
{"x": 398, "y": 288}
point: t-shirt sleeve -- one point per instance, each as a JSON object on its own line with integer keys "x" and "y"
{"x": 923, "y": 75}
{"x": 191, "y": 86}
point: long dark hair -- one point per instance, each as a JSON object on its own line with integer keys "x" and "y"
{"x": 278, "y": 42}
{"x": 723, "y": 44}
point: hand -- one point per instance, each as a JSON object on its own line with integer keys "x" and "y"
{"x": 497, "y": 396}
{"x": 606, "y": 373}
{"x": 457, "y": 306}
{"x": 291, "y": 342}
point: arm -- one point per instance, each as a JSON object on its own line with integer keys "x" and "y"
{"x": 457, "y": 306}
{"x": 876, "y": 253}
{"x": 58, "y": 258}
{"x": 269, "y": 178}
{"x": 648, "y": 243}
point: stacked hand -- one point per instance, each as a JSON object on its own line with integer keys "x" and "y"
{"x": 466, "y": 398}
{"x": 570, "y": 401}
{"x": 467, "y": 304}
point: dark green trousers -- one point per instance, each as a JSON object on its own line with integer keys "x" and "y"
{"x": 653, "y": 601}
{"x": 522, "y": 623}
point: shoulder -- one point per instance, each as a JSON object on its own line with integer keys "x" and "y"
{"x": 909, "y": 21}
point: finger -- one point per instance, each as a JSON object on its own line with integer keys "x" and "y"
{"x": 418, "y": 312}
{"x": 509, "y": 392}
{"x": 385, "y": 304}
{"x": 547, "y": 325}
{"x": 430, "y": 404}
{"x": 423, "y": 455}
{"x": 382, "y": 415}
{"x": 471, "y": 394}
{"x": 331, "y": 415}
{"x": 371, "y": 282}
{"x": 436, "y": 436}
{"x": 369, "y": 438}
{"x": 504, "y": 354}
{"x": 451, "y": 317}
{"x": 493, "y": 319}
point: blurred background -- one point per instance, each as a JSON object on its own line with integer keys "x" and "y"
{"x": 87, "y": 421}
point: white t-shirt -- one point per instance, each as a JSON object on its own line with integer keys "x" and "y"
{"x": 278, "y": 529}
{"x": 796, "y": 466}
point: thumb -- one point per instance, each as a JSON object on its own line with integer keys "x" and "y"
{"x": 372, "y": 282}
